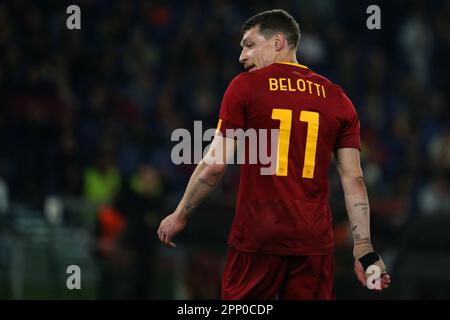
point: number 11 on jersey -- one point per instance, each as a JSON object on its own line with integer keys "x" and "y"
{"x": 285, "y": 117}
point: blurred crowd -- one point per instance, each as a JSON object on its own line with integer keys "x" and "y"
{"x": 89, "y": 113}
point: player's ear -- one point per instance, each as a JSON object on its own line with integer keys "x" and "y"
{"x": 280, "y": 41}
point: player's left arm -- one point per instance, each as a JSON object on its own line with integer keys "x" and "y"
{"x": 203, "y": 181}
{"x": 358, "y": 210}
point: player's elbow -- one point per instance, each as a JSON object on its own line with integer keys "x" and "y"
{"x": 351, "y": 174}
{"x": 353, "y": 182}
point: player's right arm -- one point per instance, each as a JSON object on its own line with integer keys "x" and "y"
{"x": 358, "y": 210}
{"x": 210, "y": 170}
{"x": 203, "y": 181}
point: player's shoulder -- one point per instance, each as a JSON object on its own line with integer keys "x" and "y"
{"x": 334, "y": 92}
{"x": 334, "y": 89}
{"x": 241, "y": 79}
{"x": 244, "y": 81}
{"x": 248, "y": 79}
{"x": 327, "y": 82}
{"x": 245, "y": 76}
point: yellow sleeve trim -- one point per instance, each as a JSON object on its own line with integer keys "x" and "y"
{"x": 219, "y": 125}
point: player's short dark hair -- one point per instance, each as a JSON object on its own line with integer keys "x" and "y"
{"x": 272, "y": 21}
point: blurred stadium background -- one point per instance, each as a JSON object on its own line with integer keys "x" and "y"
{"x": 85, "y": 124}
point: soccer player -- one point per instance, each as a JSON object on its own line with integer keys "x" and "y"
{"x": 281, "y": 240}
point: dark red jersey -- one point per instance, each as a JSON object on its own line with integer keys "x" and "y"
{"x": 288, "y": 212}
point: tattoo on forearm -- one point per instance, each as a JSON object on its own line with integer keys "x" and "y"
{"x": 355, "y": 234}
{"x": 189, "y": 206}
{"x": 364, "y": 207}
{"x": 361, "y": 204}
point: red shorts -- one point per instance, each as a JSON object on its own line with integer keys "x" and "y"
{"x": 262, "y": 276}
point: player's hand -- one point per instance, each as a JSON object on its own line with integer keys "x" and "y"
{"x": 385, "y": 279}
{"x": 169, "y": 228}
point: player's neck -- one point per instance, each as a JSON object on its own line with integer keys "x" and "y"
{"x": 287, "y": 57}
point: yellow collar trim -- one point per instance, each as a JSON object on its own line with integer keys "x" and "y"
{"x": 294, "y": 64}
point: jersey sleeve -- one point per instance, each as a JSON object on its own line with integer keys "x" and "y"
{"x": 233, "y": 107}
{"x": 349, "y": 134}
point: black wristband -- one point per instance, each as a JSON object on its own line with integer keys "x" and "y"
{"x": 369, "y": 259}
